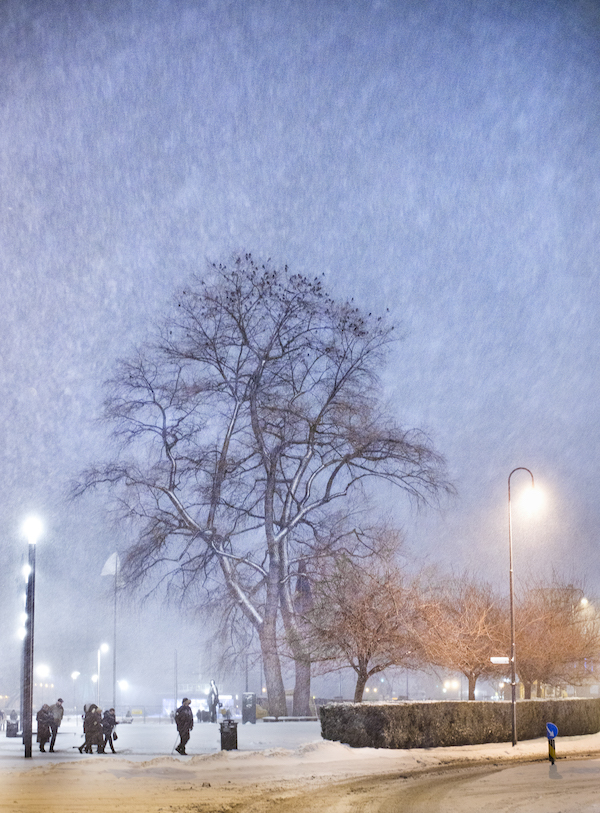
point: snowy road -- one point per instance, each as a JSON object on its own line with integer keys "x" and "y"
{"x": 569, "y": 787}
{"x": 289, "y": 768}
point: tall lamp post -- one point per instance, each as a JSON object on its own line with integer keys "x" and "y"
{"x": 103, "y": 648}
{"x": 74, "y": 676}
{"x": 513, "y": 660}
{"x": 32, "y": 529}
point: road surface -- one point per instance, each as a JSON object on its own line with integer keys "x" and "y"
{"x": 570, "y": 786}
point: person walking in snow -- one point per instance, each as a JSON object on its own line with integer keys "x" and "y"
{"x": 184, "y": 720}
{"x": 109, "y": 721}
{"x": 44, "y": 718}
{"x": 92, "y": 728}
{"x": 57, "y": 712}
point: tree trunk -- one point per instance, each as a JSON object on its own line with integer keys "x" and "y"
{"x": 527, "y": 690}
{"x": 302, "y": 688}
{"x": 472, "y": 682}
{"x": 266, "y": 626}
{"x": 540, "y": 691}
{"x": 268, "y": 643}
{"x": 361, "y": 682}
{"x": 272, "y": 667}
{"x": 293, "y": 612}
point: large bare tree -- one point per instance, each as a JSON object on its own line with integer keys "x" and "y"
{"x": 252, "y": 415}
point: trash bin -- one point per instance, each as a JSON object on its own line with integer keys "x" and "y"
{"x": 249, "y": 707}
{"x": 12, "y": 729}
{"x": 229, "y": 735}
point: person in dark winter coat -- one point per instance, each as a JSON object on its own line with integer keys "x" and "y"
{"x": 213, "y": 701}
{"x": 44, "y": 719}
{"x": 109, "y": 721}
{"x": 92, "y": 728}
{"x": 184, "y": 720}
{"x": 57, "y": 712}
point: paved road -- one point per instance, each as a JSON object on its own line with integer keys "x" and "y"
{"x": 571, "y": 786}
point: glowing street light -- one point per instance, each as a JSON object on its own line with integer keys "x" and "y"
{"x": 42, "y": 671}
{"x": 123, "y": 686}
{"x": 32, "y": 530}
{"x": 513, "y": 661}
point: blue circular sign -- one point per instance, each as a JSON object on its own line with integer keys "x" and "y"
{"x": 551, "y": 731}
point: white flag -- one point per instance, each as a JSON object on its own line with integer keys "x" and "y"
{"x": 111, "y": 566}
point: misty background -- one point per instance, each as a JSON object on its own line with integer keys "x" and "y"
{"x": 437, "y": 158}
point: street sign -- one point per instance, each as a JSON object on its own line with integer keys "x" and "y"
{"x": 502, "y": 659}
{"x": 551, "y": 732}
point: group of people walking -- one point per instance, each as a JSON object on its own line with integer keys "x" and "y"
{"x": 98, "y": 728}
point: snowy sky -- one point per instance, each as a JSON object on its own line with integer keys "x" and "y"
{"x": 437, "y": 157}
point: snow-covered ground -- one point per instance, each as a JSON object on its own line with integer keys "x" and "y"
{"x": 286, "y": 758}
{"x": 141, "y": 741}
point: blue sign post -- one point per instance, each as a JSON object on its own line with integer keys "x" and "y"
{"x": 551, "y": 733}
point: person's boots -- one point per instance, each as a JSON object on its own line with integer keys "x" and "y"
{"x": 42, "y": 749}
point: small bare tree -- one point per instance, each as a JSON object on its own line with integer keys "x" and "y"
{"x": 557, "y": 636}
{"x": 364, "y": 615}
{"x": 464, "y": 627}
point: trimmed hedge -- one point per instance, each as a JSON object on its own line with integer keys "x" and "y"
{"x": 432, "y": 724}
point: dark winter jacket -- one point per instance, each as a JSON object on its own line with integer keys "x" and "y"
{"x": 184, "y": 718}
{"x": 109, "y": 721}
{"x": 44, "y": 718}
{"x": 92, "y": 725}
{"x": 57, "y": 712}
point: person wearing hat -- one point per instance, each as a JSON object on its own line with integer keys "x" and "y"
{"x": 44, "y": 718}
{"x": 109, "y": 721}
{"x": 184, "y": 720}
{"x": 92, "y": 729}
{"x": 57, "y": 715}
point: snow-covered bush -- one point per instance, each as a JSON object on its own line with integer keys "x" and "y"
{"x": 431, "y": 724}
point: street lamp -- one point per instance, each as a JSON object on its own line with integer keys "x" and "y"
{"x": 43, "y": 672}
{"x": 123, "y": 686}
{"x": 513, "y": 661}
{"x": 32, "y": 529}
{"x": 103, "y": 648}
{"x": 74, "y": 676}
